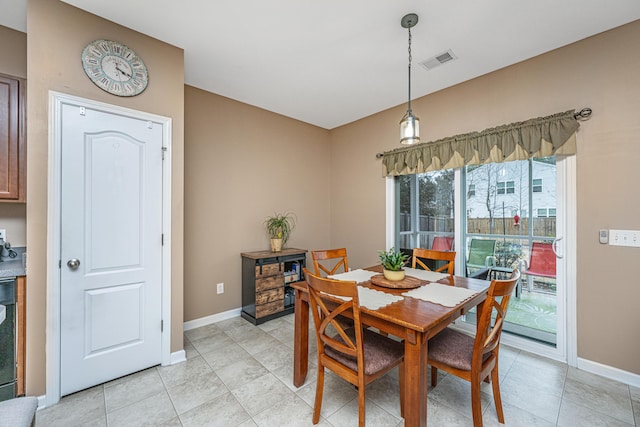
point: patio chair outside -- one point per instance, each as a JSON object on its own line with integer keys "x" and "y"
{"x": 481, "y": 254}
{"x": 441, "y": 243}
{"x": 542, "y": 263}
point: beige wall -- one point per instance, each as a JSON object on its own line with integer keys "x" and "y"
{"x": 600, "y": 72}
{"x": 243, "y": 164}
{"x": 13, "y": 62}
{"x": 57, "y": 34}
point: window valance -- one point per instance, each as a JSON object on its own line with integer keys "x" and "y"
{"x": 540, "y": 137}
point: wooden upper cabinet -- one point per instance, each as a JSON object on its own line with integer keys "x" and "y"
{"x": 12, "y": 140}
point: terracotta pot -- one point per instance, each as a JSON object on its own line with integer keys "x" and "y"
{"x": 394, "y": 276}
{"x": 276, "y": 245}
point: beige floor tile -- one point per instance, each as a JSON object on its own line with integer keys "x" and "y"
{"x": 274, "y": 357}
{"x": 78, "y": 409}
{"x": 290, "y": 411}
{"x": 573, "y": 415}
{"x": 137, "y": 387}
{"x": 375, "y": 416}
{"x": 261, "y": 393}
{"x": 182, "y": 372}
{"x": 613, "y": 402}
{"x": 240, "y": 373}
{"x": 196, "y": 391}
{"x": 153, "y": 411}
{"x": 337, "y": 393}
{"x": 514, "y": 417}
{"x": 222, "y": 411}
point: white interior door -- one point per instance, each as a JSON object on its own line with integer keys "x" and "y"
{"x": 111, "y": 246}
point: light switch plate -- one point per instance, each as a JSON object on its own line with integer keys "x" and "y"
{"x": 629, "y": 238}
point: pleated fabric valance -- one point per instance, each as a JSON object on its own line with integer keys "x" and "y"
{"x": 541, "y": 137}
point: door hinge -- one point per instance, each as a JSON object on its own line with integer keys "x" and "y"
{"x": 164, "y": 150}
{"x": 59, "y": 263}
{"x": 162, "y": 326}
{"x": 162, "y": 239}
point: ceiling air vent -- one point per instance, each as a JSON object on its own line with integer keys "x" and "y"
{"x": 439, "y": 59}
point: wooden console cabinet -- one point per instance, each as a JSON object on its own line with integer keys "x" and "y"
{"x": 266, "y": 283}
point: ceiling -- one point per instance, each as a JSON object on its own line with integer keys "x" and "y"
{"x": 331, "y": 62}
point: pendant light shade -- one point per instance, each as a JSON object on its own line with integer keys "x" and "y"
{"x": 409, "y": 129}
{"x": 410, "y": 124}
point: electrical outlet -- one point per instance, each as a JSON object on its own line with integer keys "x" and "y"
{"x": 3, "y": 234}
{"x": 220, "y": 287}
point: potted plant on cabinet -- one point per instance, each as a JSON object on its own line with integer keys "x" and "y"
{"x": 392, "y": 263}
{"x": 279, "y": 227}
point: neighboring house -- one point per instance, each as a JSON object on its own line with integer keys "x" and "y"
{"x": 502, "y": 190}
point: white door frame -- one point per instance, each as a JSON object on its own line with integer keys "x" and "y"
{"x": 566, "y": 349}
{"x": 56, "y": 101}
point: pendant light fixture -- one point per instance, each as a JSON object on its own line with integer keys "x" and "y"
{"x": 410, "y": 124}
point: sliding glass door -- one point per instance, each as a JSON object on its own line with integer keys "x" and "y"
{"x": 507, "y": 215}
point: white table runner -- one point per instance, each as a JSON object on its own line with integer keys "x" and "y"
{"x": 445, "y": 295}
{"x": 373, "y": 299}
{"x": 429, "y": 276}
{"x": 358, "y": 275}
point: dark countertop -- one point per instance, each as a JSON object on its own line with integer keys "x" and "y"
{"x": 13, "y": 267}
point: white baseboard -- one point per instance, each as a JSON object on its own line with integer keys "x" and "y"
{"x": 609, "y": 372}
{"x": 178, "y": 357}
{"x": 214, "y": 318}
{"x": 42, "y": 402}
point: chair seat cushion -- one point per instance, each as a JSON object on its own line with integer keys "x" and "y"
{"x": 18, "y": 412}
{"x": 452, "y": 348}
{"x": 380, "y": 352}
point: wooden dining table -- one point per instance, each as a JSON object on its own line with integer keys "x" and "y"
{"x": 411, "y": 319}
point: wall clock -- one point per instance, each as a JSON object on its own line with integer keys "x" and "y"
{"x": 115, "y": 68}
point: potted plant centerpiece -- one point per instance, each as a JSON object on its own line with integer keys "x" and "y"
{"x": 392, "y": 264}
{"x": 279, "y": 227}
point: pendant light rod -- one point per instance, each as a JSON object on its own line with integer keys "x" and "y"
{"x": 410, "y": 124}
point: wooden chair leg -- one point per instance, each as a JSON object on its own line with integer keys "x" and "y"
{"x": 317, "y": 406}
{"x": 476, "y": 402}
{"x": 496, "y": 394}
{"x": 361, "y": 407}
{"x": 401, "y": 381}
{"x": 434, "y": 376}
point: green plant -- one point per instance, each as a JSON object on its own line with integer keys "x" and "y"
{"x": 392, "y": 259}
{"x": 280, "y": 226}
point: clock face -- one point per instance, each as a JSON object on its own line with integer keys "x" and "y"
{"x": 115, "y": 68}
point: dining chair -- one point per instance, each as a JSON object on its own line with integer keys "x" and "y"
{"x": 356, "y": 354}
{"x": 420, "y": 254}
{"x": 329, "y": 257}
{"x": 474, "y": 359}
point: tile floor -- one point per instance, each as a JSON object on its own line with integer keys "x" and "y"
{"x": 238, "y": 374}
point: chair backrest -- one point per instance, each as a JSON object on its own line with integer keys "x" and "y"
{"x": 543, "y": 260}
{"x": 479, "y": 250}
{"x": 420, "y": 254}
{"x": 325, "y": 315}
{"x": 339, "y": 255}
{"x": 495, "y": 307}
{"x": 441, "y": 243}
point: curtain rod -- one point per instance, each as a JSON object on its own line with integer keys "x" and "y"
{"x": 581, "y": 115}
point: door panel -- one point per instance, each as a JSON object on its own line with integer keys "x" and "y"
{"x": 111, "y": 223}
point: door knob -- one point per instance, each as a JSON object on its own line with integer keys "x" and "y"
{"x": 73, "y": 263}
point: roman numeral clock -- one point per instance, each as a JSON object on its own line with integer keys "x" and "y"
{"x": 115, "y": 68}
